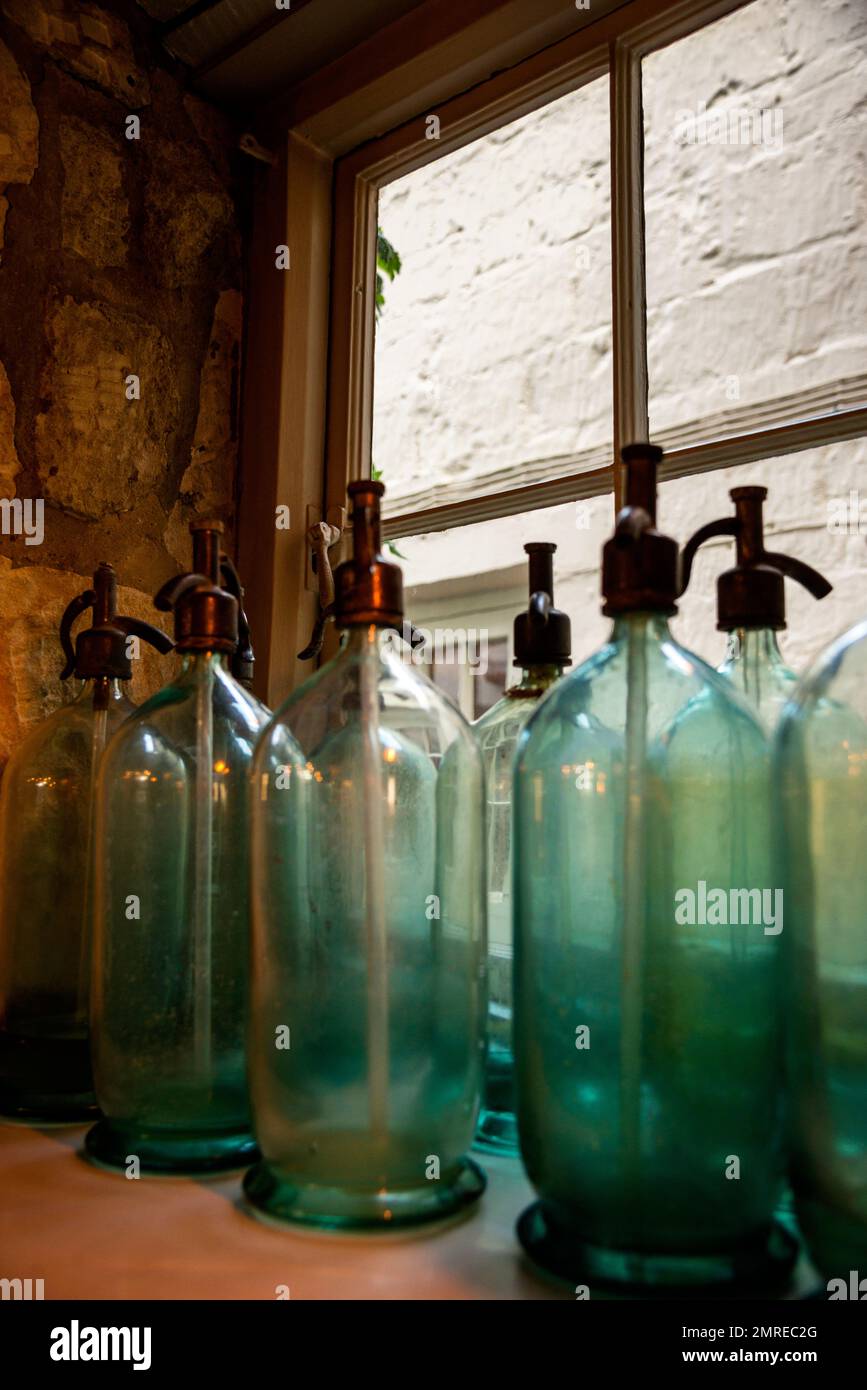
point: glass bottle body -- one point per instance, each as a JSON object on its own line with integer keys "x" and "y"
{"x": 46, "y": 908}
{"x": 648, "y": 1030}
{"x": 171, "y": 928}
{"x": 367, "y": 1024}
{"x": 498, "y": 731}
{"x": 754, "y": 664}
{"x": 821, "y": 768}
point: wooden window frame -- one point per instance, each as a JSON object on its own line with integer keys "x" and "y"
{"x": 310, "y": 345}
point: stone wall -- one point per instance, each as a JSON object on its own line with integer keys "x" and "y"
{"x": 120, "y": 324}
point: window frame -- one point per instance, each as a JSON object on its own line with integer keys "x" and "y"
{"x": 311, "y": 363}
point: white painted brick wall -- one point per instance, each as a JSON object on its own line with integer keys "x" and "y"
{"x": 495, "y": 345}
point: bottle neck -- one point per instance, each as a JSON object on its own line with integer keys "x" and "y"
{"x": 754, "y": 665}
{"x": 654, "y": 626}
{"x": 365, "y": 637}
{"x": 535, "y": 679}
{"x": 102, "y": 692}
{"x": 752, "y": 647}
{"x": 198, "y": 663}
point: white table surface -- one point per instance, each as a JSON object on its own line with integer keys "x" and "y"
{"x": 92, "y": 1234}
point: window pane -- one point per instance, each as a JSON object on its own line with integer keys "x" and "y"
{"x": 464, "y": 588}
{"x": 489, "y": 685}
{"x": 466, "y": 585}
{"x": 448, "y": 677}
{"x": 816, "y": 510}
{"x": 493, "y": 345}
{"x": 755, "y": 196}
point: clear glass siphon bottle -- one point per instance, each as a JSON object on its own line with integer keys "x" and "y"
{"x": 648, "y": 1005}
{"x": 368, "y": 999}
{"x": 46, "y": 833}
{"x": 820, "y": 767}
{"x": 751, "y": 604}
{"x": 169, "y": 1003}
{"x": 542, "y": 643}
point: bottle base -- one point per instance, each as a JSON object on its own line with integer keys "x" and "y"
{"x": 168, "y": 1153}
{"x": 46, "y": 1077}
{"x": 278, "y": 1199}
{"x": 765, "y": 1263}
{"x": 32, "y": 1107}
{"x": 497, "y": 1133}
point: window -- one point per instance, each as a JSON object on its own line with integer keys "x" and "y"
{"x": 497, "y": 375}
{"x": 465, "y": 586}
{"x": 493, "y": 347}
{"x": 755, "y": 133}
{"x": 727, "y": 320}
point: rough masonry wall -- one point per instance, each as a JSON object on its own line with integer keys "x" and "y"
{"x": 120, "y": 325}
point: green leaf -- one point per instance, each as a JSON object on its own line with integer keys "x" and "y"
{"x": 387, "y": 258}
{"x": 387, "y": 263}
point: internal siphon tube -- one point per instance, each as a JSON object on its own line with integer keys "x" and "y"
{"x": 203, "y": 866}
{"x": 634, "y": 908}
{"x": 374, "y": 888}
{"x": 101, "y": 695}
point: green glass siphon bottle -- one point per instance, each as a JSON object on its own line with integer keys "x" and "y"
{"x": 820, "y": 766}
{"x": 46, "y": 833}
{"x": 542, "y": 649}
{"x": 751, "y": 604}
{"x": 368, "y": 1001}
{"x": 169, "y": 1001}
{"x": 647, "y": 1007}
